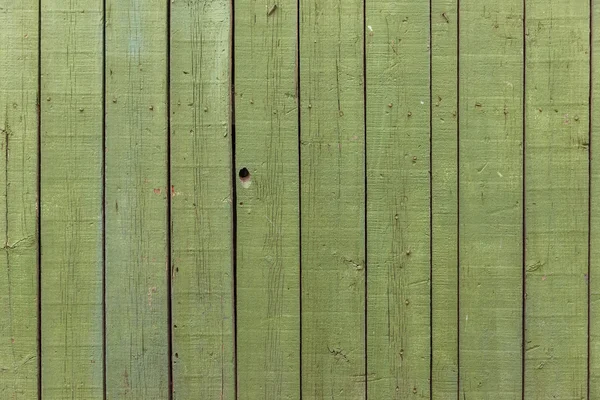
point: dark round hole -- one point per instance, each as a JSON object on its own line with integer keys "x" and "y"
{"x": 244, "y": 173}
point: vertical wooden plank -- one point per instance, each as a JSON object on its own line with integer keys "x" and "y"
{"x": 266, "y": 144}
{"x": 444, "y": 205}
{"x": 557, "y": 146}
{"x": 490, "y": 198}
{"x": 332, "y": 199}
{"x": 398, "y": 304}
{"x": 203, "y": 343}
{"x": 71, "y": 199}
{"x": 594, "y": 278}
{"x": 136, "y": 196}
{"x": 18, "y": 199}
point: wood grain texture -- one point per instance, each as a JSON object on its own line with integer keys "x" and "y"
{"x": 18, "y": 199}
{"x": 398, "y": 233}
{"x": 556, "y": 179}
{"x": 490, "y": 198}
{"x": 333, "y": 207}
{"x": 594, "y": 277}
{"x": 201, "y": 225}
{"x": 136, "y": 196}
{"x": 441, "y": 158}
{"x": 268, "y": 273}
{"x": 444, "y": 205}
{"x": 71, "y": 199}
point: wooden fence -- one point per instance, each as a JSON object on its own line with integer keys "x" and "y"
{"x": 316, "y": 199}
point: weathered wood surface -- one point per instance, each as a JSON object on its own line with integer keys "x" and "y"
{"x": 490, "y": 194}
{"x": 71, "y": 199}
{"x": 286, "y": 200}
{"x": 444, "y": 199}
{"x": 18, "y": 200}
{"x": 594, "y": 302}
{"x": 201, "y": 200}
{"x": 136, "y": 198}
{"x": 332, "y": 137}
{"x": 398, "y": 193}
{"x": 268, "y": 241}
{"x": 556, "y": 198}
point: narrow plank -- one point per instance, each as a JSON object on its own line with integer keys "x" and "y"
{"x": 266, "y": 144}
{"x": 444, "y": 205}
{"x": 490, "y": 199}
{"x": 556, "y": 179}
{"x": 398, "y": 304}
{"x": 201, "y": 224}
{"x": 594, "y": 278}
{"x": 71, "y": 199}
{"x": 136, "y": 196}
{"x": 18, "y": 204}
{"x": 332, "y": 199}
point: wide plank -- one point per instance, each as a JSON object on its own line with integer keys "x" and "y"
{"x": 332, "y": 177}
{"x": 490, "y": 199}
{"x": 201, "y": 201}
{"x": 398, "y": 194}
{"x": 136, "y": 199}
{"x": 19, "y": 199}
{"x": 556, "y": 182}
{"x": 268, "y": 241}
{"x": 71, "y": 199}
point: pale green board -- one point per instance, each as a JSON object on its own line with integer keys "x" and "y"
{"x": 18, "y": 200}
{"x": 398, "y": 193}
{"x": 333, "y": 207}
{"x": 201, "y": 221}
{"x": 556, "y": 181}
{"x": 136, "y": 199}
{"x": 268, "y": 241}
{"x": 490, "y": 199}
{"x": 71, "y": 199}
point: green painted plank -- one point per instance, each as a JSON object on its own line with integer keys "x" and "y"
{"x": 556, "y": 181}
{"x": 444, "y": 205}
{"x": 136, "y": 197}
{"x": 202, "y": 264}
{"x": 18, "y": 199}
{"x": 398, "y": 304}
{"x": 490, "y": 199}
{"x": 268, "y": 274}
{"x": 332, "y": 199}
{"x": 71, "y": 199}
{"x": 594, "y": 384}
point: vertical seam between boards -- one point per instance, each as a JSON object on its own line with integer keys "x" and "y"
{"x": 39, "y": 203}
{"x": 589, "y": 238}
{"x": 233, "y": 195}
{"x": 430, "y": 201}
{"x": 299, "y": 116}
{"x": 171, "y": 387}
{"x": 365, "y": 206}
{"x": 103, "y": 222}
{"x": 458, "y": 199}
{"x": 523, "y": 200}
